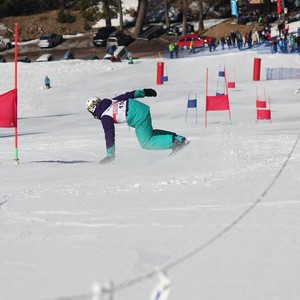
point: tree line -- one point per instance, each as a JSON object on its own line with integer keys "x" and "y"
{"x": 110, "y": 8}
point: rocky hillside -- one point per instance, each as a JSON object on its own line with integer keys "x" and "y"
{"x": 31, "y": 27}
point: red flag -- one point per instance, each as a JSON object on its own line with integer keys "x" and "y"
{"x": 8, "y": 109}
{"x": 263, "y": 114}
{"x": 261, "y": 104}
{"x": 220, "y": 102}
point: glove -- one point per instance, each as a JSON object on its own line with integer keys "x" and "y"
{"x": 150, "y": 93}
{"x": 107, "y": 160}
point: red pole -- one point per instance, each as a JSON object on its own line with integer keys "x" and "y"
{"x": 256, "y": 69}
{"x": 16, "y": 88}
{"x": 226, "y": 85}
{"x": 206, "y": 92}
{"x": 160, "y": 73}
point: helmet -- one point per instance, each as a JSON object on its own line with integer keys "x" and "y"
{"x": 91, "y": 104}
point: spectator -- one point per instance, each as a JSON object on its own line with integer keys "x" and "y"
{"x": 210, "y": 44}
{"x": 228, "y": 41}
{"x": 254, "y": 37}
{"x": 285, "y": 45}
{"x": 239, "y": 40}
{"x": 280, "y": 27}
{"x": 47, "y": 82}
{"x": 176, "y": 49}
{"x": 298, "y": 43}
{"x": 250, "y": 39}
{"x": 274, "y": 46}
{"x": 280, "y": 44}
{"x": 191, "y": 47}
{"x": 214, "y": 43}
{"x": 130, "y": 58}
{"x": 223, "y": 42}
{"x": 171, "y": 50}
{"x": 233, "y": 38}
{"x": 286, "y": 29}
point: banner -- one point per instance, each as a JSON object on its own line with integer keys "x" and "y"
{"x": 279, "y": 7}
{"x": 234, "y": 8}
{"x": 8, "y": 109}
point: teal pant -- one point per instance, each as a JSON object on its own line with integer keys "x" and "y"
{"x": 138, "y": 117}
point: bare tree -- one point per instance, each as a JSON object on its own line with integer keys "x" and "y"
{"x": 201, "y": 17}
{"x": 142, "y": 8}
{"x": 121, "y": 14}
{"x": 184, "y": 16}
{"x": 106, "y": 12}
{"x": 167, "y": 19}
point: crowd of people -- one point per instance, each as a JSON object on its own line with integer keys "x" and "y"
{"x": 284, "y": 41}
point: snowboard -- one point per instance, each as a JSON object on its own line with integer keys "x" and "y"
{"x": 179, "y": 149}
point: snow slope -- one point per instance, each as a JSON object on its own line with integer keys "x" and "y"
{"x": 221, "y": 217}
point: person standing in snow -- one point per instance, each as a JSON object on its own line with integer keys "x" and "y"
{"x": 191, "y": 47}
{"x": 176, "y": 50}
{"x": 171, "y": 50}
{"x": 125, "y": 108}
{"x": 47, "y": 82}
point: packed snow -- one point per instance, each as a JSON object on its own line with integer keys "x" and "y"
{"x": 220, "y": 219}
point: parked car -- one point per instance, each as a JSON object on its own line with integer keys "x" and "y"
{"x": 102, "y": 35}
{"x": 118, "y": 38}
{"x": 68, "y": 55}
{"x": 25, "y": 59}
{"x": 119, "y": 52}
{"x": 91, "y": 57}
{"x": 173, "y": 30}
{"x": 2, "y": 59}
{"x": 153, "y": 31}
{"x": 199, "y": 41}
{"x": 45, "y": 57}
{"x": 50, "y": 40}
{"x": 177, "y": 29}
{"x": 5, "y": 43}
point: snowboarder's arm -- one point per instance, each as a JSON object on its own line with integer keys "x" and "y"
{"x": 136, "y": 94}
{"x": 109, "y": 132}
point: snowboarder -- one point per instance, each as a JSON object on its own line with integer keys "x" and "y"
{"x": 47, "y": 82}
{"x": 125, "y": 108}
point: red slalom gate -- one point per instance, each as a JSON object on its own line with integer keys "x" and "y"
{"x": 160, "y": 73}
{"x": 256, "y": 69}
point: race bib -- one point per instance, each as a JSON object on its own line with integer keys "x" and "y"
{"x": 117, "y": 110}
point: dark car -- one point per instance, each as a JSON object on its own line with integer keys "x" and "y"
{"x": 25, "y": 59}
{"x": 91, "y": 57}
{"x": 102, "y": 35}
{"x": 50, "y": 40}
{"x": 2, "y": 58}
{"x": 176, "y": 29}
{"x": 118, "y": 38}
{"x": 173, "y": 30}
{"x": 45, "y": 57}
{"x": 68, "y": 55}
{"x": 153, "y": 31}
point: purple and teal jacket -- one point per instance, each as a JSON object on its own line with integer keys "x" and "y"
{"x": 108, "y": 120}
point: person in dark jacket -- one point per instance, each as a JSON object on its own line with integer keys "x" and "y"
{"x": 125, "y": 108}
{"x": 47, "y": 82}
